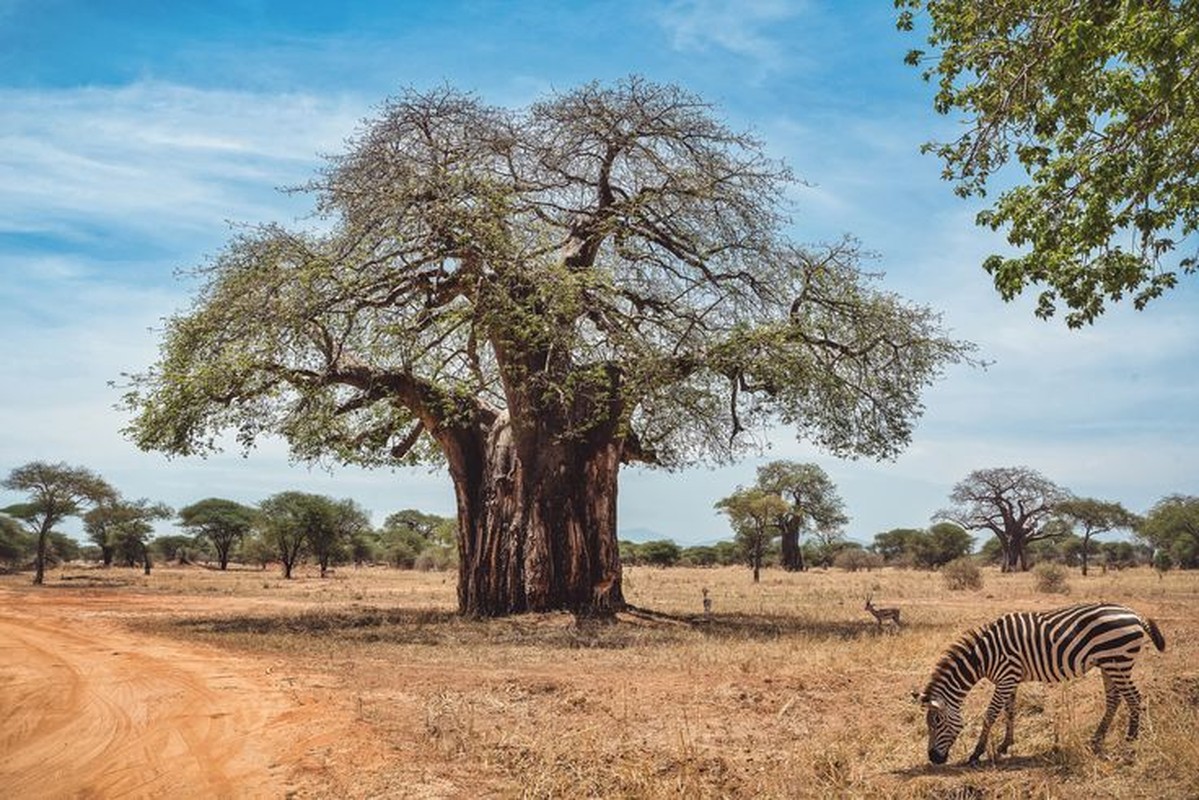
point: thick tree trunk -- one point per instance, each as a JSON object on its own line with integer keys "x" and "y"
{"x": 792, "y": 553}
{"x": 1015, "y": 557}
{"x": 536, "y": 533}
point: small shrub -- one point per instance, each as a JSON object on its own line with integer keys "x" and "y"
{"x": 852, "y": 560}
{"x": 961, "y": 574}
{"x": 1051, "y": 579}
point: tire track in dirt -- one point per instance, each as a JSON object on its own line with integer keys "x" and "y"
{"x": 92, "y": 709}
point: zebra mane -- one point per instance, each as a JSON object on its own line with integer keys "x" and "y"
{"x": 951, "y": 656}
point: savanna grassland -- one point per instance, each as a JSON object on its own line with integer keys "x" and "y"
{"x": 789, "y": 689}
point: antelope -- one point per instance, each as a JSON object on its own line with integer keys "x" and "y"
{"x": 707, "y": 603}
{"x": 601, "y": 600}
{"x": 881, "y": 614}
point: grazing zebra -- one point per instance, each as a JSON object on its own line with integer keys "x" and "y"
{"x": 1049, "y": 646}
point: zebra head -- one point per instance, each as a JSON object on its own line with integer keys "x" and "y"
{"x": 944, "y": 724}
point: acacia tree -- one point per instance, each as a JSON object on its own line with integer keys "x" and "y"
{"x": 753, "y": 515}
{"x": 56, "y": 491}
{"x": 287, "y": 519}
{"x": 15, "y": 544}
{"x": 121, "y": 527}
{"x": 1014, "y": 503}
{"x": 535, "y": 297}
{"x": 1172, "y": 528}
{"x": 222, "y": 522}
{"x": 813, "y": 505}
{"x": 1094, "y": 517}
{"x": 340, "y": 522}
{"x": 1099, "y": 104}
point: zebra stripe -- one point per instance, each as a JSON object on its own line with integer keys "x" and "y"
{"x": 1050, "y": 646}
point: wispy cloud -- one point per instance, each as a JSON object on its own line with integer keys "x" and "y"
{"x": 741, "y": 27}
{"x": 157, "y": 159}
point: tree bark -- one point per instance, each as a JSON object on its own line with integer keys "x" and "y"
{"x": 39, "y": 566}
{"x": 792, "y": 553}
{"x": 537, "y": 524}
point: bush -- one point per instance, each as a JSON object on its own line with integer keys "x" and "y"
{"x": 961, "y": 574}
{"x": 1051, "y": 579}
{"x": 853, "y": 559}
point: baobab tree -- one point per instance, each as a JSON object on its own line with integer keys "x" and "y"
{"x": 1014, "y": 503}
{"x": 813, "y": 505}
{"x": 535, "y": 297}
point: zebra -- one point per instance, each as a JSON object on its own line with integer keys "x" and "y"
{"x": 1048, "y": 646}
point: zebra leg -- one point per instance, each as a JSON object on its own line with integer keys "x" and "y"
{"x": 1132, "y": 699}
{"x": 1009, "y": 715}
{"x": 999, "y": 701}
{"x": 1111, "y": 693}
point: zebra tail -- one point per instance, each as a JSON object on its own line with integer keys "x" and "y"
{"x": 1159, "y": 641}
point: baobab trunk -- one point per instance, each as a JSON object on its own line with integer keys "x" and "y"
{"x": 792, "y": 553}
{"x": 535, "y": 534}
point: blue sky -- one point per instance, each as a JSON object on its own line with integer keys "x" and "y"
{"x": 133, "y": 133}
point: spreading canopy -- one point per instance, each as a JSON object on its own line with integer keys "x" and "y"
{"x": 608, "y": 256}
{"x": 1098, "y": 103}
{"x": 1014, "y": 503}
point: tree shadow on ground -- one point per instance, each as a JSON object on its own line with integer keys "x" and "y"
{"x": 772, "y": 626}
{"x": 635, "y": 627}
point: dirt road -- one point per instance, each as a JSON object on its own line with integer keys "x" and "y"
{"x": 90, "y": 709}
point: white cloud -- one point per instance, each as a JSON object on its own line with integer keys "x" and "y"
{"x": 742, "y": 27}
{"x": 158, "y": 159}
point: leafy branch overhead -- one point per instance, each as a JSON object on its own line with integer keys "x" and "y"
{"x": 1098, "y": 104}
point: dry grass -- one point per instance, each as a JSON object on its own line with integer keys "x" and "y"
{"x": 788, "y": 691}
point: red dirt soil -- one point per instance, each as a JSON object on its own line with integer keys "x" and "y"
{"x": 92, "y": 709}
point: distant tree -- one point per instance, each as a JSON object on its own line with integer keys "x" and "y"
{"x": 1124, "y": 554}
{"x": 129, "y": 525}
{"x": 56, "y": 491}
{"x": 1014, "y": 503}
{"x": 16, "y": 545}
{"x": 942, "y": 543}
{"x": 1172, "y": 527}
{"x": 1090, "y": 517}
{"x": 365, "y": 547}
{"x": 256, "y": 547}
{"x": 223, "y": 523}
{"x": 98, "y": 526}
{"x": 853, "y": 557}
{"x": 61, "y": 547}
{"x": 173, "y": 547}
{"x": 898, "y": 544}
{"x": 813, "y": 505}
{"x": 401, "y": 545}
{"x": 429, "y": 527}
{"x": 345, "y": 521}
{"x": 753, "y": 515}
{"x": 992, "y": 552}
{"x": 1096, "y": 100}
{"x": 660, "y": 552}
{"x": 286, "y": 519}
{"x": 630, "y": 552}
{"x": 406, "y": 534}
{"x": 535, "y": 297}
{"x": 727, "y": 553}
{"x": 700, "y": 556}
